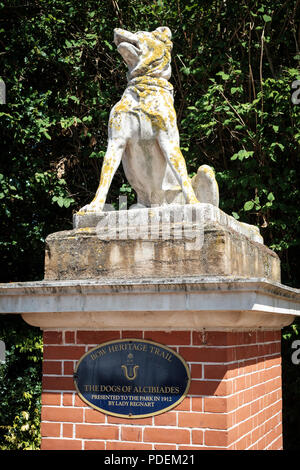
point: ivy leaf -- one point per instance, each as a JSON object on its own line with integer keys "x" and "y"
{"x": 267, "y": 18}
{"x": 60, "y": 201}
{"x": 223, "y": 75}
{"x": 271, "y": 197}
{"x": 248, "y": 205}
{"x": 242, "y": 154}
{"x": 46, "y": 135}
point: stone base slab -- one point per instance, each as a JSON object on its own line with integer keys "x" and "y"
{"x": 119, "y": 223}
{"x": 193, "y": 303}
{"x": 196, "y": 241}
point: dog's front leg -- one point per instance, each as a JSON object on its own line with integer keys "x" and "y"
{"x": 172, "y": 153}
{"x": 112, "y": 160}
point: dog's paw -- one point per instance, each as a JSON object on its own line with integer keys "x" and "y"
{"x": 193, "y": 200}
{"x": 92, "y": 207}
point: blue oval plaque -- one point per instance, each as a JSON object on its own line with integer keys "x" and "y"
{"x": 132, "y": 378}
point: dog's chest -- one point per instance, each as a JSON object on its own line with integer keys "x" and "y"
{"x": 151, "y": 110}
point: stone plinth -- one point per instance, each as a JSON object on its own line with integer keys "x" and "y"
{"x": 197, "y": 240}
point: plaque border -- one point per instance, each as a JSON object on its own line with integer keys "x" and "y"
{"x": 130, "y": 417}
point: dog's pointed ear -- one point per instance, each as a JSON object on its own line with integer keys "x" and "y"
{"x": 165, "y": 31}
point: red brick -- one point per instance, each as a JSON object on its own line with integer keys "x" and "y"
{"x": 165, "y": 447}
{"x": 94, "y": 445}
{"x": 197, "y": 371}
{"x": 203, "y": 420}
{"x": 197, "y": 404}
{"x": 255, "y": 379}
{"x": 211, "y": 387}
{"x": 245, "y": 427}
{"x": 95, "y": 431}
{"x": 52, "y": 367}
{"x": 189, "y": 420}
{"x": 240, "y": 383}
{"x": 248, "y": 366}
{"x": 270, "y": 336}
{"x": 127, "y": 446}
{"x": 67, "y": 430}
{"x": 50, "y": 429}
{"x": 58, "y": 383}
{"x": 247, "y": 396}
{"x": 254, "y": 407}
{"x": 243, "y": 443}
{"x": 199, "y": 338}
{"x": 273, "y": 361}
{"x": 215, "y": 371}
{"x": 185, "y": 405}
{"x": 61, "y": 444}
{"x": 96, "y": 337}
{"x": 263, "y": 350}
{"x": 203, "y": 354}
{"x": 61, "y": 414}
{"x": 52, "y": 337}
{"x": 276, "y": 348}
{"x": 258, "y": 391}
{"x": 242, "y": 413}
{"x": 190, "y": 448}
{"x": 215, "y": 405}
{"x": 69, "y": 337}
{"x": 169, "y": 337}
{"x": 138, "y": 421}
{"x": 248, "y": 337}
{"x": 197, "y": 436}
{"x": 261, "y": 444}
{"x": 68, "y": 399}
{"x": 245, "y": 352}
{"x": 129, "y": 433}
{"x": 166, "y": 419}
{"x": 94, "y": 416}
{"x": 51, "y": 398}
{"x": 216, "y": 338}
{"x": 63, "y": 352}
{"x": 277, "y": 444}
{"x": 68, "y": 368}
{"x": 79, "y": 402}
{"x": 132, "y": 334}
{"x": 216, "y": 438}
{"x": 273, "y": 384}
{"x": 172, "y": 436}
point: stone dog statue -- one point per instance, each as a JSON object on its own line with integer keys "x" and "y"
{"x": 143, "y": 133}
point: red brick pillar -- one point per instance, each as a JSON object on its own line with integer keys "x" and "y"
{"x": 234, "y": 401}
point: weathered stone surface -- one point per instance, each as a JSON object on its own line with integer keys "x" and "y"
{"x": 124, "y": 224}
{"x": 206, "y": 249}
{"x": 189, "y": 303}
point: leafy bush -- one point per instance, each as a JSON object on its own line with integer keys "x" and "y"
{"x": 20, "y": 390}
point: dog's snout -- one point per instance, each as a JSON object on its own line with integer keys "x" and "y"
{"x": 121, "y": 35}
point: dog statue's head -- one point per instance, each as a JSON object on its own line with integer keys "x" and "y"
{"x": 146, "y": 53}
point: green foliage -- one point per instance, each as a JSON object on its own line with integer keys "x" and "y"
{"x": 233, "y": 66}
{"x": 290, "y": 388}
{"x": 20, "y": 379}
